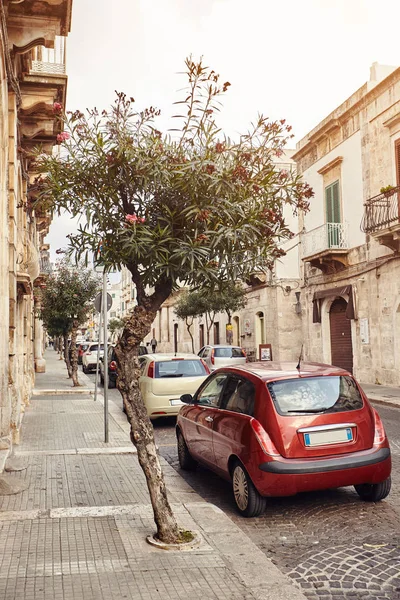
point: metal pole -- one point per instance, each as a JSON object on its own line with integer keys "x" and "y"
{"x": 105, "y": 358}
{"x": 98, "y": 357}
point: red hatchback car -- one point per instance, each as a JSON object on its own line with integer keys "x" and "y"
{"x": 274, "y": 430}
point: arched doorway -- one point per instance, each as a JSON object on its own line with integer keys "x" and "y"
{"x": 340, "y": 329}
{"x": 260, "y": 329}
{"x": 236, "y": 331}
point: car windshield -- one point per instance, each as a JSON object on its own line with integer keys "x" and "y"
{"x": 315, "y": 395}
{"x": 179, "y": 368}
{"x": 228, "y": 352}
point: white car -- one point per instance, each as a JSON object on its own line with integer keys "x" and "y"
{"x": 166, "y": 377}
{"x": 222, "y": 356}
{"x": 89, "y": 357}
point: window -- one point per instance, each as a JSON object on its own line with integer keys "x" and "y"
{"x": 397, "y": 154}
{"x": 179, "y": 368}
{"x": 238, "y": 396}
{"x": 209, "y": 395}
{"x": 315, "y": 395}
{"x": 112, "y": 295}
{"x": 332, "y": 202}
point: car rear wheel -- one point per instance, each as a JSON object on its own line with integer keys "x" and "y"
{"x": 84, "y": 369}
{"x": 187, "y": 463}
{"x": 373, "y": 492}
{"x": 248, "y": 501}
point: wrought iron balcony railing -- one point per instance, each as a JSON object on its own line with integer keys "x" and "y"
{"x": 330, "y": 236}
{"x": 50, "y": 60}
{"x": 45, "y": 264}
{"x": 381, "y": 211}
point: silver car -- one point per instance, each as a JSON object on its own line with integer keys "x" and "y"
{"x": 222, "y": 356}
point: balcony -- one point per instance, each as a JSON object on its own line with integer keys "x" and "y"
{"x": 49, "y": 61}
{"x": 326, "y": 247}
{"x": 382, "y": 218}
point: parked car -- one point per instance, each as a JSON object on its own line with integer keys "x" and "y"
{"x": 165, "y": 377}
{"x": 222, "y": 356}
{"x": 89, "y": 357}
{"x": 273, "y": 430}
{"x": 112, "y": 365}
{"x": 82, "y": 347}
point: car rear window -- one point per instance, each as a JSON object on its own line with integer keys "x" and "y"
{"x": 228, "y": 352}
{"x": 315, "y": 395}
{"x": 96, "y": 347}
{"x": 179, "y": 368}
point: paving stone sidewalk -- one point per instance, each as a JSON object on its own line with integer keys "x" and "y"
{"x": 78, "y": 531}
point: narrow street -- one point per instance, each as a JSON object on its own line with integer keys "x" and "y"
{"x": 331, "y": 541}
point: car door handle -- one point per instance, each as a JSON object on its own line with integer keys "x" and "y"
{"x": 209, "y": 419}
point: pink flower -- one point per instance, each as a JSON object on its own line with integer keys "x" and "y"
{"x": 57, "y": 108}
{"x": 134, "y": 219}
{"x": 63, "y": 136}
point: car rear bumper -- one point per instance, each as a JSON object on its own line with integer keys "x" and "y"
{"x": 160, "y": 406}
{"x": 349, "y": 461}
{"x": 285, "y": 477}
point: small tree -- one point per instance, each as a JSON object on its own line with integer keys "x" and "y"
{"x": 208, "y": 302}
{"x": 189, "y": 306}
{"x": 193, "y": 210}
{"x": 65, "y": 304}
{"x": 115, "y": 326}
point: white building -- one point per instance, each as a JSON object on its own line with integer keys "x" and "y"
{"x": 350, "y": 239}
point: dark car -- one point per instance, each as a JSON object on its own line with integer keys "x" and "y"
{"x": 273, "y": 430}
{"x": 112, "y": 366}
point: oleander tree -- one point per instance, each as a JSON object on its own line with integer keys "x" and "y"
{"x": 190, "y": 207}
{"x": 65, "y": 303}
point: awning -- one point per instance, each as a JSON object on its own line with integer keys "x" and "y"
{"x": 338, "y": 291}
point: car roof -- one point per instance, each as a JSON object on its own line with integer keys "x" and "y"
{"x": 221, "y": 346}
{"x": 170, "y": 356}
{"x": 273, "y": 370}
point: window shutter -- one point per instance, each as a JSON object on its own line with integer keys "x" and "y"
{"x": 397, "y": 151}
{"x": 335, "y": 203}
{"x": 328, "y": 197}
{"x": 332, "y": 203}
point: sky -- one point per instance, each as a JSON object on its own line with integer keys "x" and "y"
{"x": 291, "y": 59}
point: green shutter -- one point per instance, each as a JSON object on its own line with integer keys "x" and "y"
{"x": 332, "y": 203}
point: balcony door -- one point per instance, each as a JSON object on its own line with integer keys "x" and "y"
{"x": 397, "y": 154}
{"x": 333, "y": 217}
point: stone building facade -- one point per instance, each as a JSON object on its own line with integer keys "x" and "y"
{"x": 32, "y": 80}
{"x": 350, "y": 239}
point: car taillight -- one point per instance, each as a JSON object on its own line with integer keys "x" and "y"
{"x": 263, "y": 438}
{"x": 245, "y": 355}
{"x": 113, "y": 365}
{"x": 212, "y": 357}
{"x": 205, "y": 365}
{"x": 379, "y": 430}
{"x": 150, "y": 372}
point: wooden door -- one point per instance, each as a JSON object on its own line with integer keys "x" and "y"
{"x": 341, "y": 342}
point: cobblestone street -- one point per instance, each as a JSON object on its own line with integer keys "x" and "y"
{"x": 335, "y": 545}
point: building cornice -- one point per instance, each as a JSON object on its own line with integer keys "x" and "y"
{"x": 330, "y": 165}
{"x": 362, "y": 98}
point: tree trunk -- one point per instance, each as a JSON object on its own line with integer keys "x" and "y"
{"x": 142, "y": 434}
{"x": 74, "y": 355}
{"x": 66, "y": 355}
{"x": 188, "y": 327}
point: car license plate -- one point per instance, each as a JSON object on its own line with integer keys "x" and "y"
{"x": 175, "y": 402}
{"x": 333, "y": 436}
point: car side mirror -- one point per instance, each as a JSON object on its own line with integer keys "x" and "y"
{"x": 187, "y": 398}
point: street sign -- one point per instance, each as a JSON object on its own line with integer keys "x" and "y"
{"x": 97, "y": 302}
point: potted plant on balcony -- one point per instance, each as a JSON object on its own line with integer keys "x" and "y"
{"x": 387, "y": 190}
